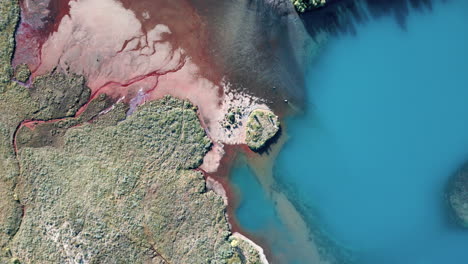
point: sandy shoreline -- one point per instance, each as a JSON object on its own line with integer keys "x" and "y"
{"x": 219, "y": 189}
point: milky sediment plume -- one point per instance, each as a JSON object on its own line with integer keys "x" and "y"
{"x": 138, "y": 53}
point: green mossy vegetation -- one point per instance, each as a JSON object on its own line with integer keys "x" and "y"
{"x": 9, "y": 17}
{"x": 22, "y": 73}
{"x": 306, "y": 5}
{"x": 13, "y": 109}
{"x": 124, "y": 193}
{"x": 59, "y": 95}
{"x": 262, "y": 125}
{"x": 232, "y": 119}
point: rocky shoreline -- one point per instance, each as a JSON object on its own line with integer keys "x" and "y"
{"x": 262, "y": 126}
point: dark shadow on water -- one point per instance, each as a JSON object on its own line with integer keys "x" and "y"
{"x": 340, "y": 16}
{"x": 259, "y": 44}
{"x": 267, "y": 146}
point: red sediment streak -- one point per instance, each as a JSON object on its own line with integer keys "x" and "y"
{"x": 117, "y": 69}
{"x": 36, "y": 27}
{"x": 32, "y": 124}
{"x": 15, "y": 147}
{"x": 188, "y": 33}
{"x": 117, "y": 89}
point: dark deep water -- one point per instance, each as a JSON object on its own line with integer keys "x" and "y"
{"x": 367, "y": 161}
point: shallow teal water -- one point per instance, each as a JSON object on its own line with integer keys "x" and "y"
{"x": 387, "y": 125}
{"x": 257, "y": 214}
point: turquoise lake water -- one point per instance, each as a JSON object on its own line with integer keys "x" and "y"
{"x": 386, "y": 126}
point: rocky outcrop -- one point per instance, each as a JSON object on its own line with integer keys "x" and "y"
{"x": 262, "y": 125}
{"x": 458, "y": 195}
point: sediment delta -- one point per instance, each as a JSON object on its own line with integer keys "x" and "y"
{"x": 83, "y": 181}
